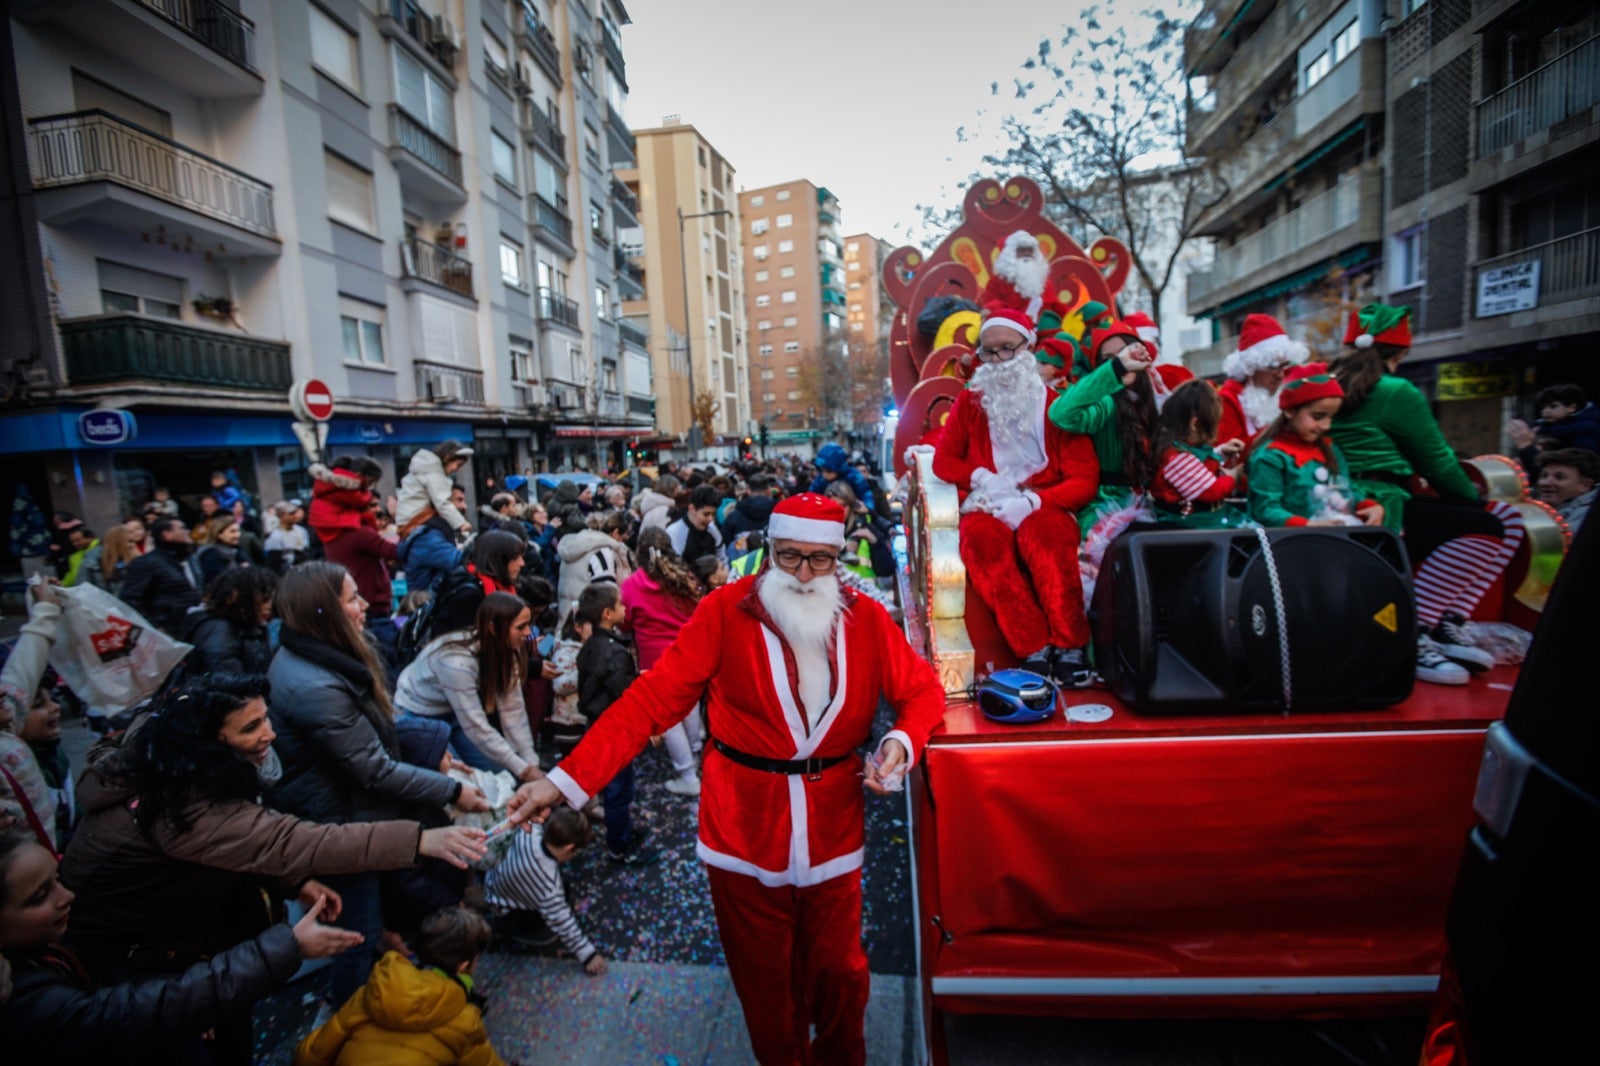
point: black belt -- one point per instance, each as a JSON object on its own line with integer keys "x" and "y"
{"x": 810, "y": 767}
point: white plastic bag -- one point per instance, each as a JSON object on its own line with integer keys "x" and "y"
{"x": 107, "y": 653}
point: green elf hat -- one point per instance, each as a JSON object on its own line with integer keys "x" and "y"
{"x": 1056, "y": 350}
{"x": 1095, "y": 315}
{"x": 1379, "y": 324}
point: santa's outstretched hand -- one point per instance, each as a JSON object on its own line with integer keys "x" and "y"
{"x": 886, "y": 767}
{"x": 533, "y": 802}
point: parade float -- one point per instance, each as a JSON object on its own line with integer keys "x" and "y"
{"x": 1133, "y": 864}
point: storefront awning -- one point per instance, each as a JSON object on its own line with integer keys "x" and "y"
{"x": 597, "y": 432}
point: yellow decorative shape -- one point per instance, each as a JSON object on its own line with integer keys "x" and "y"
{"x": 914, "y": 258}
{"x": 1386, "y": 617}
{"x": 951, "y": 327}
{"x": 1013, "y": 191}
{"x": 1098, "y": 253}
{"x": 964, "y": 251}
{"x": 1047, "y": 245}
{"x": 1547, "y": 540}
{"x": 991, "y": 194}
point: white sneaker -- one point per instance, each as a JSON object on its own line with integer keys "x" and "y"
{"x": 684, "y": 786}
{"x": 1453, "y": 638}
{"x": 1433, "y": 666}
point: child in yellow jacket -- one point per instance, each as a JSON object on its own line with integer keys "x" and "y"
{"x": 414, "y": 1013}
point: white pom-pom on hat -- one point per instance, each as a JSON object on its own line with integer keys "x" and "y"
{"x": 1364, "y": 340}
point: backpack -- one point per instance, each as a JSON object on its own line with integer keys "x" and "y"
{"x": 420, "y": 627}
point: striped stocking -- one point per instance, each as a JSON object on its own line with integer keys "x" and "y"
{"x": 1456, "y": 574}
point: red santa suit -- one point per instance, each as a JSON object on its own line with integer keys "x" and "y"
{"x": 1235, "y": 424}
{"x": 784, "y": 849}
{"x": 1045, "y": 607}
{"x": 1001, "y": 288}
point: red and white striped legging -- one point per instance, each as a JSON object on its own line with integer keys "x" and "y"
{"x": 1457, "y": 550}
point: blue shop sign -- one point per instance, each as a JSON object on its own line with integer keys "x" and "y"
{"x": 107, "y": 427}
{"x": 369, "y": 433}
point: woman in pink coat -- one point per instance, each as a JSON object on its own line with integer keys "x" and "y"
{"x": 660, "y": 596}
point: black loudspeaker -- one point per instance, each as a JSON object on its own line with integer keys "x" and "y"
{"x": 1185, "y": 621}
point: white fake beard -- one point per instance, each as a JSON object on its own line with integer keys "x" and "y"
{"x": 1260, "y": 406}
{"x": 1012, "y": 395}
{"x": 1027, "y": 275}
{"x": 805, "y": 611}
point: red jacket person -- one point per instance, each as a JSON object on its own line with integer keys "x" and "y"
{"x": 792, "y": 667}
{"x": 1022, "y": 477}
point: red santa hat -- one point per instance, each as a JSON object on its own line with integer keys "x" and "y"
{"x": 1263, "y": 345}
{"x": 808, "y": 517}
{"x": 1100, "y": 334}
{"x": 996, "y": 315}
{"x": 1147, "y": 329}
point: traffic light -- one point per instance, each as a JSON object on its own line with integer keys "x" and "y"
{"x": 764, "y": 436}
{"x": 746, "y": 445}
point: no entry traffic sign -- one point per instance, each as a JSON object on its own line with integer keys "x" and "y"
{"x": 311, "y": 400}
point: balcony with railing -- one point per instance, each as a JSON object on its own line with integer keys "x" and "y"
{"x": 623, "y": 197}
{"x": 116, "y": 349}
{"x": 429, "y": 166}
{"x": 1259, "y": 58}
{"x": 536, "y": 38}
{"x": 435, "y": 264}
{"x": 544, "y": 131}
{"x": 611, "y": 404}
{"x": 446, "y": 383}
{"x": 556, "y": 307}
{"x": 93, "y": 165}
{"x": 624, "y": 146}
{"x": 418, "y": 24}
{"x": 1563, "y": 88}
{"x": 611, "y": 48}
{"x": 635, "y": 331}
{"x": 1345, "y": 215}
{"x": 204, "y": 48}
{"x": 550, "y": 220}
{"x": 1568, "y": 269}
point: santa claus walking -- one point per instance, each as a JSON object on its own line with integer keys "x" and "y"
{"x": 792, "y": 667}
{"x": 1255, "y": 374}
{"x": 1021, "y": 479}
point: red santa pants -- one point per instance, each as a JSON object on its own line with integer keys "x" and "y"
{"x": 1043, "y": 605}
{"x": 796, "y": 961}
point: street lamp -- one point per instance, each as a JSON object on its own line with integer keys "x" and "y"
{"x": 688, "y": 330}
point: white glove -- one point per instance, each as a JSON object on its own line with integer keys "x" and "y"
{"x": 1015, "y": 510}
{"x": 983, "y": 479}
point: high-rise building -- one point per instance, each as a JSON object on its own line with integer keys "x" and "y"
{"x": 868, "y": 314}
{"x": 795, "y": 301}
{"x": 1293, "y": 114}
{"x": 1437, "y": 154}
{"x": 693, "y": 291}
{"x": 220, "y": 200}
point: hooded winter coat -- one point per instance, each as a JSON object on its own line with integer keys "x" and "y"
{"x": 338, "y": 502}
{"x": 653, "y": 508}
{"x": 162, "y": 584}
{"x": 832, "y": 458}
{"x": 426, "y": 485}
{"x": 749, "y": 515}
{"x": 587, "y": 556}
{"x": 565, "y": 506}
{"x": 405, "y": 1016}
{"x": 159, "y": 898}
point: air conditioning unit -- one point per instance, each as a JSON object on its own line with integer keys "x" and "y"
{"x": 521, "y": 86}
{"x": 536, "y": 395}
{"x": 443, "y": 386}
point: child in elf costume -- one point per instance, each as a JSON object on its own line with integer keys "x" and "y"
{"x": 1195, "y": 476}
{"x": 1297, "y": 474}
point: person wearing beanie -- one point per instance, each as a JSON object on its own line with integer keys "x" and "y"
{"x": 1021, "y": 278}
{"x": 1458, "y": 543}
{"x": 425, "y": 490}
{"x": 1255, "y": 372}
{"x": 791, "y": 667}
{"x": 1020, "y": 479}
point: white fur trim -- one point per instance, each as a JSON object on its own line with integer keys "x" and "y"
{"x": 575, "y": 795}
{"x": 807, "y": 530}
{"x": 1365, "y": 340}
{"x": 1274, "y": 351}
{"x": 796, "y": 875}
{"x": 1149, "y": 333}
{"x": 1011, "y": 324}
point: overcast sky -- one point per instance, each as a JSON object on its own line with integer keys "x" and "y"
{"x": 862, "y": 96}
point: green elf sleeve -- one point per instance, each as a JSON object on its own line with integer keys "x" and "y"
{"x": 1271, "y": 473}
{"x": 1411, "y": 424}
{"x": 1090, "y": 405}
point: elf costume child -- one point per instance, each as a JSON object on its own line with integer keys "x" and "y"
{"x": 1293, "y": 481}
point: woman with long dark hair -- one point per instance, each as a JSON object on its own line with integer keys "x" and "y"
{"x": 175, "y": 849}
{"x": 497, "y": 561}
{"x": 337, "y": 739}
{"x": 472, "y": 677}
{"x": 1458, "y": 542}
{"x": 230, "y": 634}
{"x": 660, "y": 597}
{"x": 1115, "y": 406}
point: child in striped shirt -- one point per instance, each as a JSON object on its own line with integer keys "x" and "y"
{"x": 528, "y": 878}
{"x": 1195, "y": 475}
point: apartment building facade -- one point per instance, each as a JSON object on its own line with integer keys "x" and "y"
{"x": 221, "y": 202}
{"x": 795, "y": 302}
{"x": 691, "y": 298}
{"x": 1433, "y": 153}
{"x": 868, "y": 315}
{"x": 1292, "y": 115}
